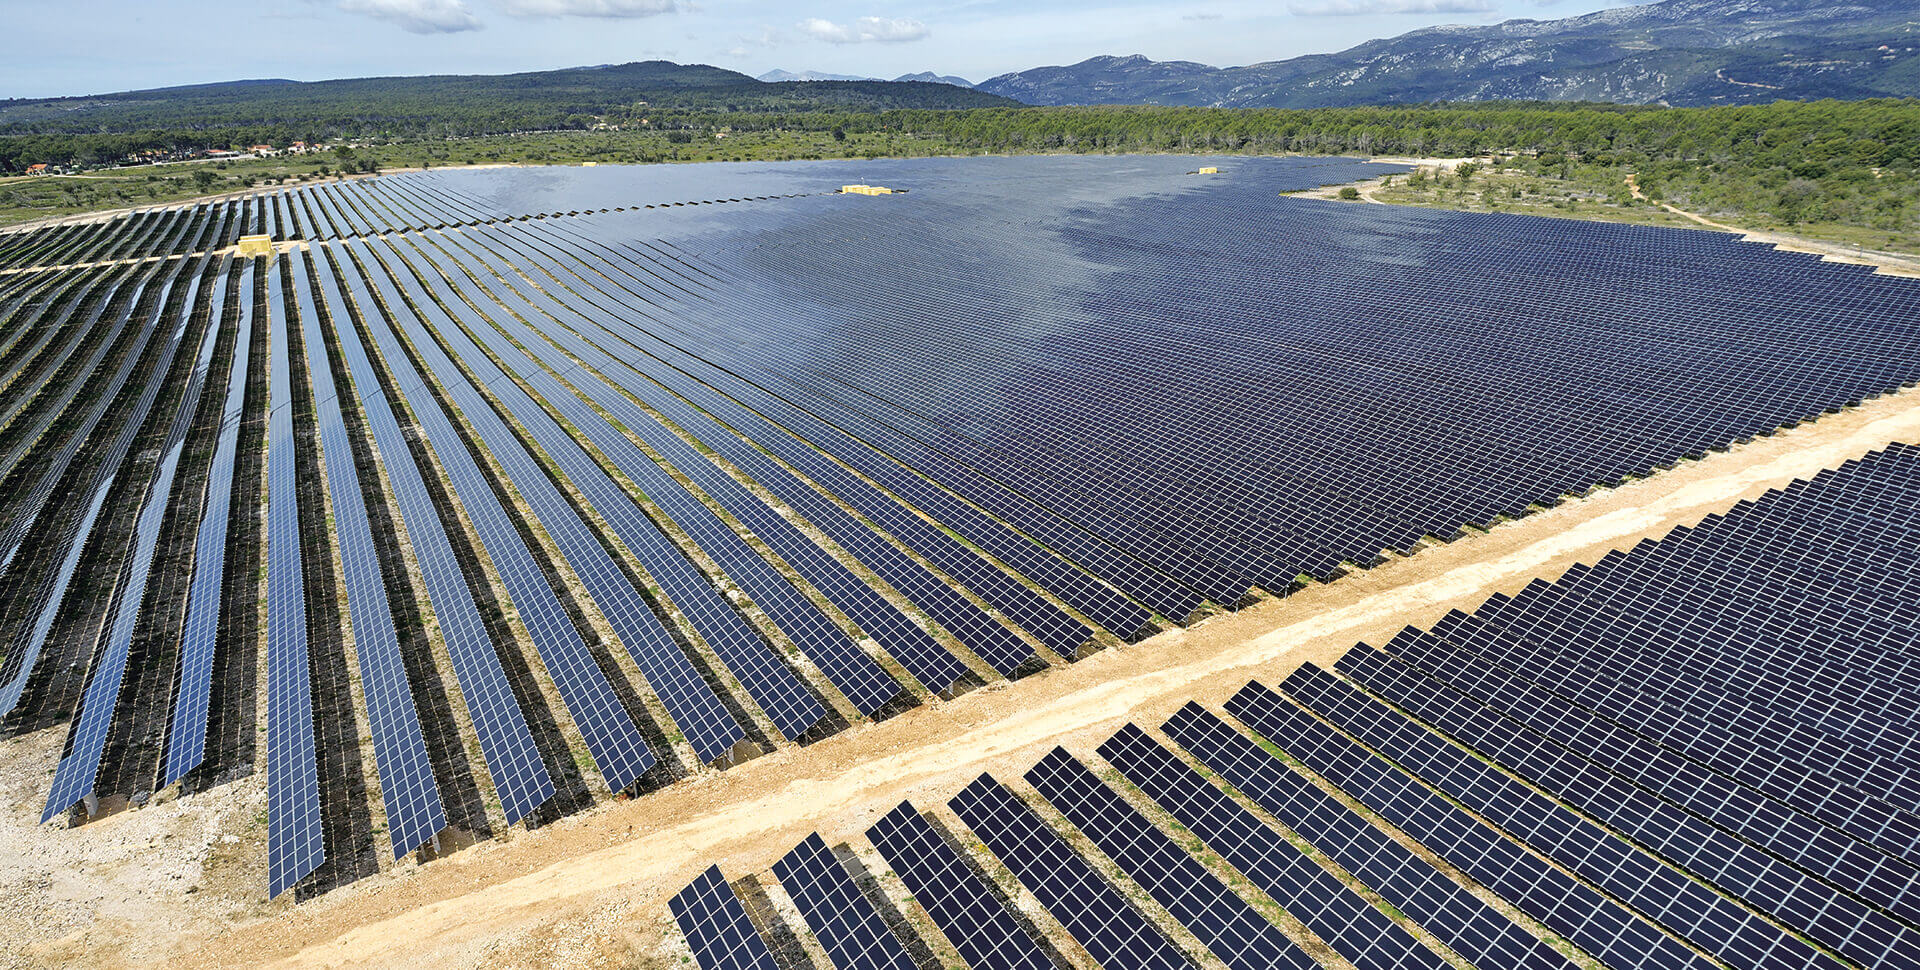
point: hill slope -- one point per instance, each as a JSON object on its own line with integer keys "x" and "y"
{"x": 954, "y": 80}
{"x": 1679, "y": 52}
{"x": 778, "y": 74}
{"x": 466, "y": 104}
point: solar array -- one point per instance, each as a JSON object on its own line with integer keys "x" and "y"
{"x": 562, "y": 480}
{"x": 1494, "y": 789}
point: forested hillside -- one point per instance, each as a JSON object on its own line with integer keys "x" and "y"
{"x": 1847, "y": 162}
{"x": 1689, "y": 53}
{"x": 99, "y": 129}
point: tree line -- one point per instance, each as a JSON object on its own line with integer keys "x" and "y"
{"x": 1844, "y": 162}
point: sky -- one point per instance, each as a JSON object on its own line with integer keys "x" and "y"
{"x": 100, "y": 46}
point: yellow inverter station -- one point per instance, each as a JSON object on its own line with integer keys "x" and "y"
{"x": 261, "y": 245}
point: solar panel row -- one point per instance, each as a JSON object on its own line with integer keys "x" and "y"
{"x": 414, "y": 809}
{"x": 862, "y": 680}
{"x": 925, "y": 659}
{"x": 187, "y": 730}
{"x": 718, "y": 930}
{"x": 692, "y": 704}
{"x": 1035, "y": 405}
{"x": 513, "y": 762}
{"x": 1421, "y": 768}
{"x": 958, "y": 898}
{"x": 842, "y": 919}
{"x": 618, "y": 750}
{"x": 74, "y": 777}
{"x": 295, "y": 843}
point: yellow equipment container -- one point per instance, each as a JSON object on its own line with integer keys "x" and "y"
{"x": 1209, "y": 170}
{"x": 865, "y": 190}
{"x": 256, "y": 246}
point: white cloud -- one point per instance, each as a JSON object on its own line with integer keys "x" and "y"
{"x": 418, "y": 16}
{"x": 1370, "y": 8}
{"x": 614, "y": 9}
{"x": 884, "y": 30}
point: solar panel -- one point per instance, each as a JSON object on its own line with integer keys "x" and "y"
{"x": 295, "y": 844}
{"x": 844, "y": 922}
{"x": 924, "y": 658}
{"x": 957, "y": 898}
{"x": 513, "y": 763}
{"x": 17, "y": 665}
{"x": 716, "y": 926}
{"x": 1682, "y": 839}
{"x": 1718, "y": 798}
{"x": 1655, "y": 892}
{"x": 618, "y": 750}
{"x": 1090, "y": 908}
{"x": 695, "y": 710}
{"x": 864, "y": 682}
{"x": 1346, "y": 922}
{"x": 1225, "y": 923}
{"x": 75, "y": 775}
{"x": 779, "y": 692}
{"x": 26, "y": 514}
{"x": 1113, "y": 612}
{"x": 1563, "y": 905}
{"x": 187, "y": 730}
{"x": 1779, "y": 772}
{"x": 861, "y": 434}
{"x": 1041, "y": 399}
{"x": 31, "y": 367}
{"x": 415, "y": 813}
{"x": 50, "y": 593}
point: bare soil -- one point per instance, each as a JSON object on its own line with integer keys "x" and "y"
{"x": 183, "y": 880}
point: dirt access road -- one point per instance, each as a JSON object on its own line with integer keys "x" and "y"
{"x": 1889, "y": 263}
{"x": 591, "y": 890}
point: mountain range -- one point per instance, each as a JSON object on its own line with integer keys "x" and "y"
{"x": 463, "y": 104}
{"x": 1676, "y": 52}
{"x": 777, "y": 75}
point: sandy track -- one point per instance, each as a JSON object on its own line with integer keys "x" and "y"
{"x": 1890, "y": 263}
{"x": 592, "y": 890}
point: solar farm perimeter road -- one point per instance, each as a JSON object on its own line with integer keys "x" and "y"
{"x": 630, "y": 858}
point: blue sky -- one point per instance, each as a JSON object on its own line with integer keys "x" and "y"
{"x": 96, "y": 46}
